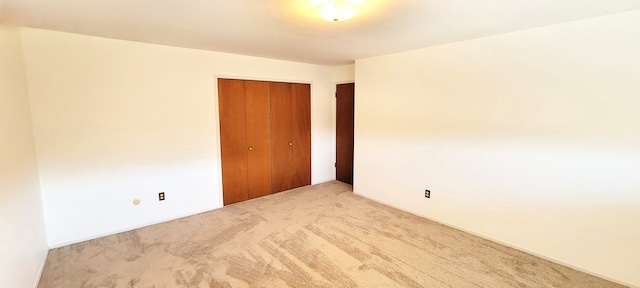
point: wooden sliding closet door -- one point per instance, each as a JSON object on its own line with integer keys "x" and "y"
{"x": 301, "y": 134}
{"x": 265, "y": 137}
{"x": 258, "y": 138}
{"x": 245, "y": 139}
{"x": 281, "y": 139}
{"x": 233, "y": 140}
{"x": 290, "y": 135}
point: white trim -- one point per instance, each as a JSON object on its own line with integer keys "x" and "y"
{"x": 266, "y": 79}
{"x": 510, "y": 245}
{"x": 95, "y": 236}
{"x": 39, "y": 275}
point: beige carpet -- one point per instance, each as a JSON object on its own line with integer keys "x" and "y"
{"x": 316, "y": 236}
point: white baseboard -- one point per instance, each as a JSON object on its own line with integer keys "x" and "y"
{"x": 109, "y": 233}
{"x": 44, "y": 261}
{"x": 510, "y": 245}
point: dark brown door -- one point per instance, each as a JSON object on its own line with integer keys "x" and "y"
{"x": 233, "y": 140}
{"x": 281, "y": 137}
{"x": 344, "y": 132}
{"x": 258, "y": 138}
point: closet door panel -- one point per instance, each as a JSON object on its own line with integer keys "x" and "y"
{"x": 301, "y": 135}
{"x": 233, "y": 140}
{"x": 258, "y": 138}
{"x": 281, "y": 157}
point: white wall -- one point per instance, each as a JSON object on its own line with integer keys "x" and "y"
{"x": 344, "y": 74}
{"x": 23, "y": 243}
{"x": 529, "y": 138}
{"x": 117, "y": 120}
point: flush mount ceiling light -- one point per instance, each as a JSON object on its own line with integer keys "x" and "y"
{"x": 336, "y": 10}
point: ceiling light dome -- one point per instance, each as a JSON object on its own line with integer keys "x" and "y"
{"x": 336, "y": 10}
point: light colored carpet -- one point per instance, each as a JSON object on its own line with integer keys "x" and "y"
{"x": 316, "y": 236}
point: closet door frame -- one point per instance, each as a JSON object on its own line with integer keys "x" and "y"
{"x": 219, "y": 130}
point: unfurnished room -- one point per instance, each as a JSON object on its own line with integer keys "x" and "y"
{"x": 319, "y": 143}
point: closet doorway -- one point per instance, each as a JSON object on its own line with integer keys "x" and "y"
{"x": 265, "y": 137}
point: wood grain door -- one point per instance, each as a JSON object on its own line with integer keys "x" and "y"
{"x": 258, "y": 111}
{"x": 233, "y": 140}
{"x": 290, "y": 135}
{"x": 265, "y": 136}
{"x": 301, "y": 135}
{"x": 344, "y": 132}
{"x": 281, "y": 137}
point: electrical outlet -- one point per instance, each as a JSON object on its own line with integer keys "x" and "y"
{"x": 161, "y": 196}
{"x": 427, "y": 193}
